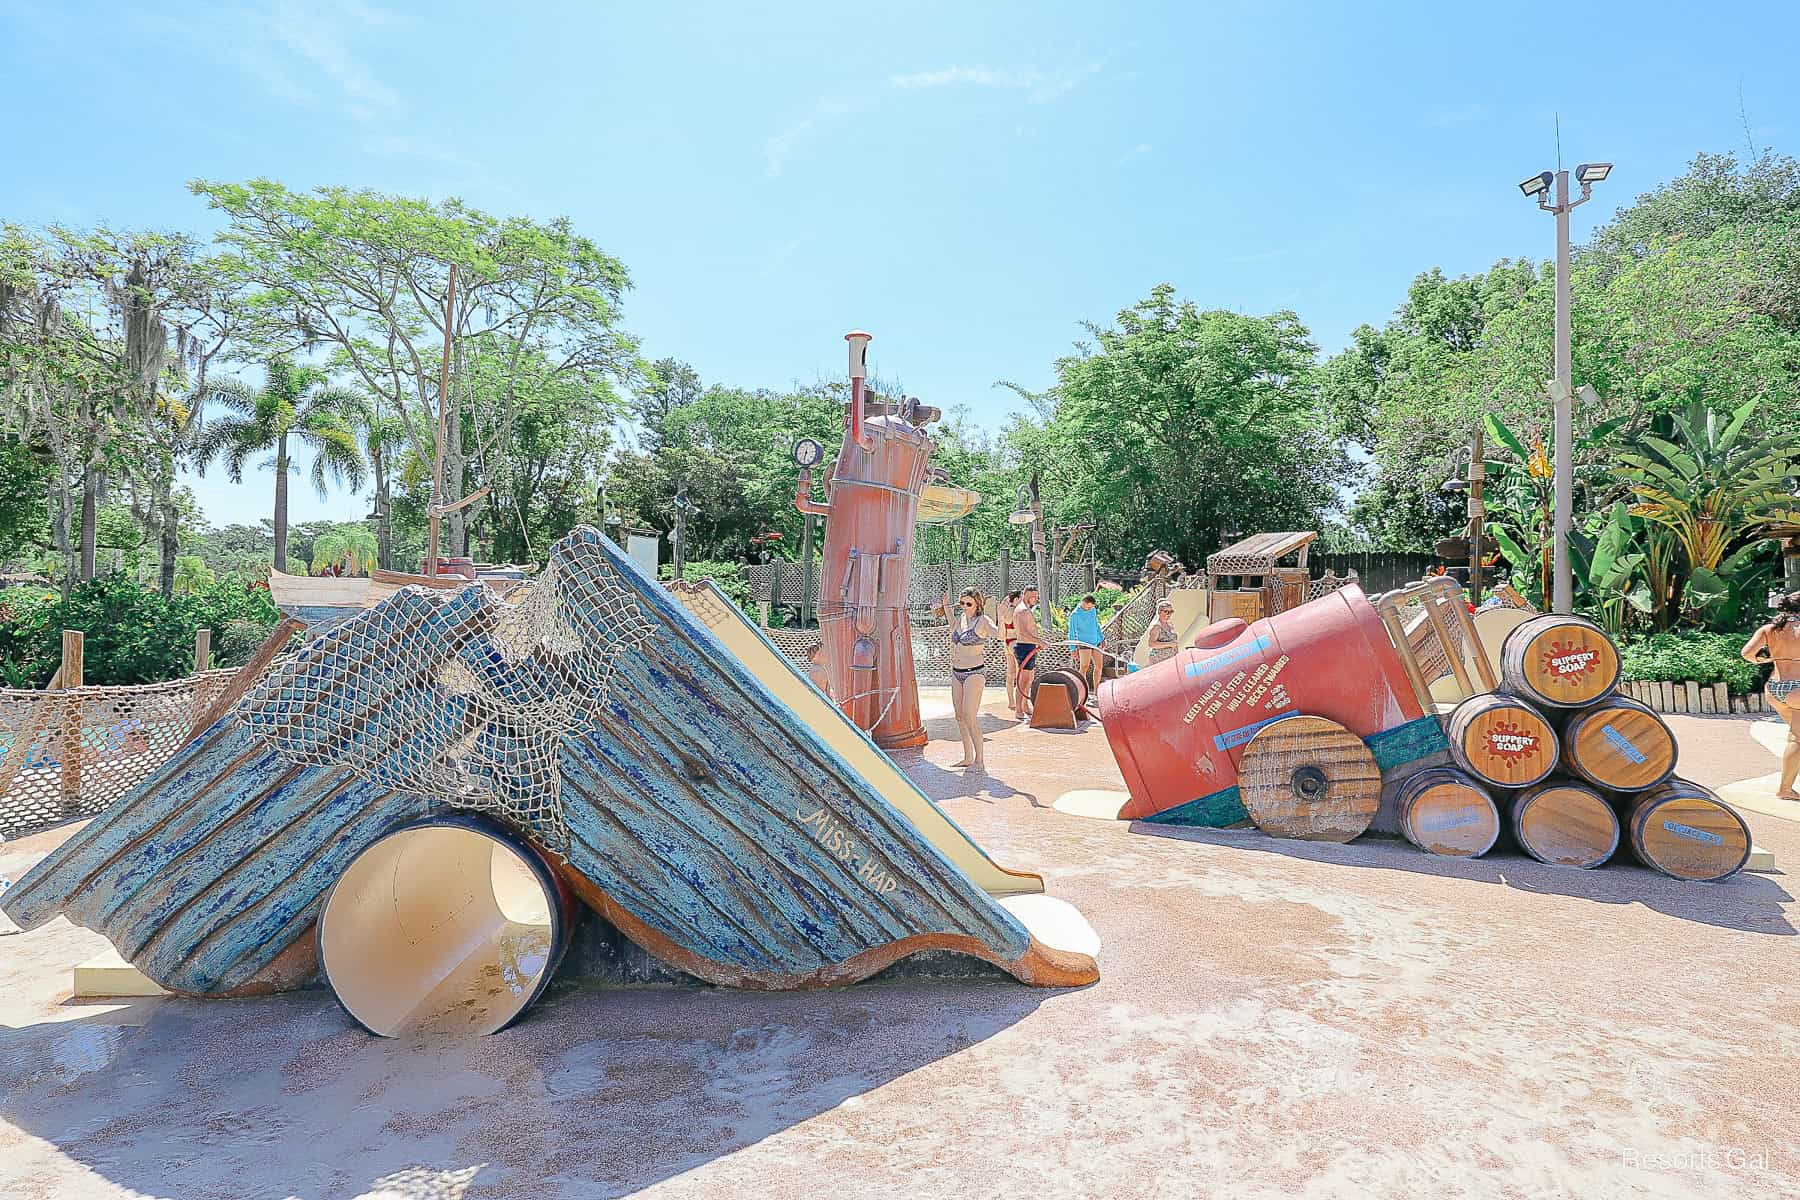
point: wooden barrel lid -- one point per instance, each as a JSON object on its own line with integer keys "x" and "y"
{"x": 1565, "y": 824}
{"x": 1309, "y": 778}
{"x": 1446, "y": 812}
{"x": 1503, "y": 740}
{"x": 1564, "y": 661}
{"x": 1619, "y": 745}
{"x": 1689, "y": 835}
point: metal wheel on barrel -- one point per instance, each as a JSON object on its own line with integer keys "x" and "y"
{"x": 1309, "y": 778}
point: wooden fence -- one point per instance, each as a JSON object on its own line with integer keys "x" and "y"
{"x": 1376, "y": 572}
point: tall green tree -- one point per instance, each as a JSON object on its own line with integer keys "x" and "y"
{"x": 295, "y": 406}
{"x": 367, "y": 275}
{"x": 1179, "y": 426}
{"x": 731, "y": 450}
{"x": 165, "y": 313}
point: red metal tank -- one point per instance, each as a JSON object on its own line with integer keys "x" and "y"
{"x": 864, "y": 575}
{"x": 1178, "y": 728}
{"x": 865, "y": 651}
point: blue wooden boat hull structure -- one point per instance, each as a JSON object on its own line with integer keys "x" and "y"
{"x": 596, "y": 719}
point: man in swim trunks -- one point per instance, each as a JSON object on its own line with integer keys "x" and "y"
{"x": 1027, "y": 637}
{"x": 1012, "y": 664}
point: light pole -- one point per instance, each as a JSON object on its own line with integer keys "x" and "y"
{"x": 1562, "y": 390}
{"x": 684, "y": 508}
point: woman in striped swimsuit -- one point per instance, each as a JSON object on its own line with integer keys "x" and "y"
{"x": 970, "y": 631}
{"x": 1778, "y": 642}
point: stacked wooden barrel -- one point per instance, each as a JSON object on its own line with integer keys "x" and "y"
{"x": 1576, "y": 768}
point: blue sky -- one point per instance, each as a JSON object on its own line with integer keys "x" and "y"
{"x": 967, "y": 181}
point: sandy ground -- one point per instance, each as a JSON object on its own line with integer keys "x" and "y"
{"x": 1275, "y": 1019}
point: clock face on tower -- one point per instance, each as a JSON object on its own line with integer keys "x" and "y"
{"x": 808, "y": 453}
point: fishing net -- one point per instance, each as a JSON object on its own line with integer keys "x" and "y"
{"x": 460, "y": 696}
{"x": 71, "y": 752}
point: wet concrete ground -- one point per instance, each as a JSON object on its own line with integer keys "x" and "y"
{"x": 1274, "y": 1019}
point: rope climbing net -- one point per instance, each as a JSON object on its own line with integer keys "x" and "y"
{"x": 69, "y": 752}
{"x": 462, "y": 697}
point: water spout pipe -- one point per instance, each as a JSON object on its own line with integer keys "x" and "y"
{"x": 859, "y": 372}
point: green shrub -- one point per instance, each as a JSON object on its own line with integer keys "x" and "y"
{"x": 1681, "y": 655}
{"x": 133, "y": 634}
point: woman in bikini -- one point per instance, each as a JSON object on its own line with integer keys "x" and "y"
{"x": 970, "y": 631}
{"x": 1164, "y": 640}
{"x": 1778, "y": 642}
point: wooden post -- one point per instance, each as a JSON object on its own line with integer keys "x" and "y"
{"x": 72, "y": 648}
{"x": 1477, "y": 515}
{"x": 248, "y": 674}
{"x": 202, "y": 650}
{"x": 1005, "y": 571}
{"x": 1386, "y": 606}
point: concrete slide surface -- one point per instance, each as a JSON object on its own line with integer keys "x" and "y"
{"x": 729, "y": 624}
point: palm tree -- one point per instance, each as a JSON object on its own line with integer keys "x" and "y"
{"x": 383, "y": 437}
{"x": 295, "y": 403}
{"x": 191, "y": 575}
{"x": 350, "y": 549}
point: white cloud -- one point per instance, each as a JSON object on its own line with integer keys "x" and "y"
{"x": 312, "y": 34}
{"x": 974, "y": 76}
{"x": 1064, "y": 82}
{"x": 1043, "y": 86}
{"x": 298, "y": 53}
{"x": 388, "y": 145}
{"x": 1137, "y": 151}
{"x": 781, "y": 146}
{"x": 1039, "y": 86}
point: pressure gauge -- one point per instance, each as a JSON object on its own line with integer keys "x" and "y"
{"x": 808, "y": 453}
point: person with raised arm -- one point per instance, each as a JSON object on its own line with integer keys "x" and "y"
{"x": 1778, "y": 643}
{"x": 1027, "y": 637}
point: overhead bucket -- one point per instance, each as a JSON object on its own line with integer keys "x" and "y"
{"x": 450, "y": 925}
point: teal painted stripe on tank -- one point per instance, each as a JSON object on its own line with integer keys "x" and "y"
{"x": 1417, "y": 738}
{"x": 1215, "y": 811}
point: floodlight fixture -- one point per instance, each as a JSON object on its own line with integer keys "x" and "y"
{"x": 1593, "y": 172}
{"x": 1537, "y": 185}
